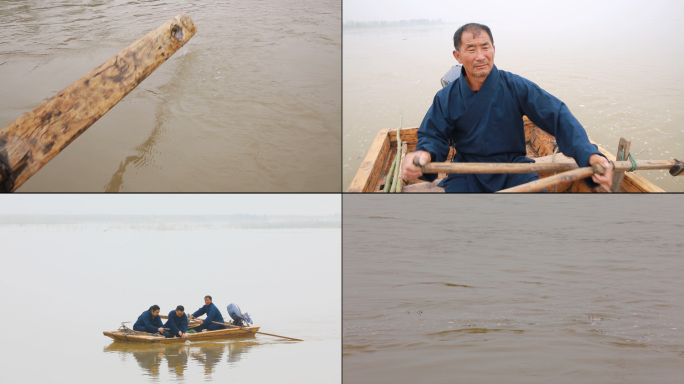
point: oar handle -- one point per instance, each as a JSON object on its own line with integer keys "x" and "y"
{"x": 598, "y": 169}
{"x": 416, "y": 162}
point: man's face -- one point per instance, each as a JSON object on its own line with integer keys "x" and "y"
{"x": 476, "y": 54}
{"x": 207, "y": 301}
{"x": 179, "y": 313}
{"x": 155, "y": 313}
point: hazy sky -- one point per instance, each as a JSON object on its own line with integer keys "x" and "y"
{"x": 269, "y": 204}
{"x": 523, "y": 11}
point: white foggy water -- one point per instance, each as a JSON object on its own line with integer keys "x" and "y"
{"x": 65, "y": 285}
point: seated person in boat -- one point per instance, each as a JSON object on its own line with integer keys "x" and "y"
{"x": 213, "y": 314}
{"x": 150, "y": 322}
{"x": 480, "y": 114}
{"x": 177, "y": 322}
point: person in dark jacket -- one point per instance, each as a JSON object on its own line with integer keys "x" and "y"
{"x": 177, "y": 322}
{"x": 213, "y": 314}
{"x": 480, "y": 114}
{"x": 149, "y": 321}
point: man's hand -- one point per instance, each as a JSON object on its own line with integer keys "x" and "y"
{"x": 192, "y": 317}
{"x": 161, "y": 330}
{"x": 410, "y": 172}
{"x": 200, "y": 320}
{"x": 184, "y": 335}
{"x": 607, "y": 178}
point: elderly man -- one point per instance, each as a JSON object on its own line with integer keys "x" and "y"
{"x": 213, "y": 315}
{"x": 480, "y": 114}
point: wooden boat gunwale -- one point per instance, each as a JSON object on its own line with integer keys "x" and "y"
{"x": 208, "y": 335}
{"x": 373, "y": 169}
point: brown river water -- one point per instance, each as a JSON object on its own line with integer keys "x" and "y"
{"x": 251, "y": 103}
{"x": 619, "y": 79}
{"x": 514, "y": 289}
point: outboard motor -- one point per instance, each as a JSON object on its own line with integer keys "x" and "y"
{"x": 238, "y": 318}
{"x": 453, "y": 74}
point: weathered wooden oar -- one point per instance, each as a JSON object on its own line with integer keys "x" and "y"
{"x": 32, "y": 140}
{"x": 263, "y": 333}
{"x": 675, "y": 166}
{"x": 552, "y": 181}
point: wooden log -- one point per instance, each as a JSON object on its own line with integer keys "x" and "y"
{"x": 48, "y": 129}
{"x": 400, "y": 182}
{"x": 622, "y": 154}
{"x": 551, "y": 181}
{"x": 14, "y": 156}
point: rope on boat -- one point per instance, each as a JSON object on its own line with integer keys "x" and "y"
{"x": 621, "y": 157}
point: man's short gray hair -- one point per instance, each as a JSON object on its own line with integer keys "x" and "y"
{"x": 473, "y": 28}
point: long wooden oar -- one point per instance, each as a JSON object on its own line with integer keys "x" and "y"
{"x": 675, "y": 166}
{"x": 263, "y": 333}
{"x": 29, "y": 142}
{"x": 552, "y": 181}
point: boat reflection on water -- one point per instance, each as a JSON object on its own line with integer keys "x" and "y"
{"x": 205, "y": 354}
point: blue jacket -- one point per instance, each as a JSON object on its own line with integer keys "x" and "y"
{"x": 212, "y": 312}
{"x": 487, "y": 126}
{"x": 148, "y": 323}
{"x": 176, "y": 323}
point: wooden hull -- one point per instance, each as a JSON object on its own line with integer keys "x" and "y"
{"x": 374, "y": 168}
{"x": 208, "y": 335}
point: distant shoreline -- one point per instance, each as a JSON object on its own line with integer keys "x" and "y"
{"x": 384, "y": 23}
{"x": 172, "y": 221}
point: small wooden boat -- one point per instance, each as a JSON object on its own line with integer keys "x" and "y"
{"x": 540, "y": 147}
{"x": 142, "y": 337}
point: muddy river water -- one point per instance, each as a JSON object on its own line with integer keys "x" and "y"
{"x": 484, "y": 289}
{"x": 251, "y": 103}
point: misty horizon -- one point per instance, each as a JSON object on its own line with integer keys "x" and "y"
{"x": 532, "y": 11}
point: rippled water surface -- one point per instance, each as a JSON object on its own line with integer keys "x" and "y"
{"x": 619, "y": 79}
{"x": 65, "y": 285}
{"x": 251, "y": 103}
{"x": 484, "y": 289}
